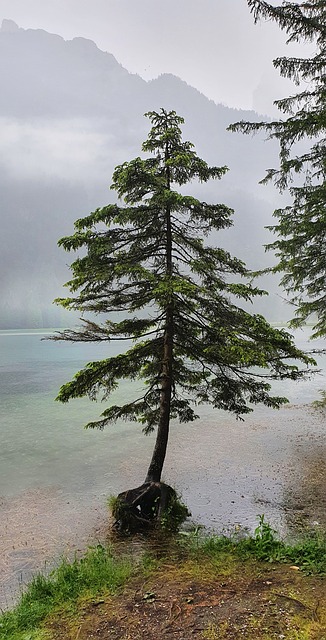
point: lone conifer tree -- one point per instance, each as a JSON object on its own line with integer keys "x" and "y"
{"x": 192, "y": 343}
{"x": 301, "y": 227}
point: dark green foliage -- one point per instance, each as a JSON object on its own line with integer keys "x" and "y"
{"x": 175, "y": 515}
{"x": 150, "y": 262}
{"x": 301, "y": 227}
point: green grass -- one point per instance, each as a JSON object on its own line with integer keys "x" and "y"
{"x": 99, "y": 572}
{"x": 309, "y": 554}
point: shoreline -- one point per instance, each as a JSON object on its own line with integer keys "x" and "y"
{"x": 274, "y": 464}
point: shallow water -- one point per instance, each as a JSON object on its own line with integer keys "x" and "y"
{"x": 55, "y": 476}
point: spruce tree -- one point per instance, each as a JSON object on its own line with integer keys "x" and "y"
{"x": 301, "y": 227}
{"x": 149, "y": 261}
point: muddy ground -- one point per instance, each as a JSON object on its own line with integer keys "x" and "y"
{"x": 185, "y": 600}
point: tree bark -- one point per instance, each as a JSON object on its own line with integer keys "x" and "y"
{"x": 156, "y": 465}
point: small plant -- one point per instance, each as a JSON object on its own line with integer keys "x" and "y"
{"x": 115, "y": 505}
{"x": 192, "y": 538}
{"x": 112, "y": 503}
{"x": 321, "y": 403}
{"x": 263, "y": 545}
{"x": 266, "y": 542}
{"x": 175, "y": 514}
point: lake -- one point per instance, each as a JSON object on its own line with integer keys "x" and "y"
{"x": 55, "y": 476}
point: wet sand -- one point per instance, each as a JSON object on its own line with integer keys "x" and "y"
{"x": 228, "y": 472}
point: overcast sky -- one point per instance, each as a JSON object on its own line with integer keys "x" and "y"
{"x": 211, "y": 44}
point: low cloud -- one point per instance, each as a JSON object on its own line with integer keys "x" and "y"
{"x": 74, "y": 150}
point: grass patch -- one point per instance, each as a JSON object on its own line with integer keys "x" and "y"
{"x": 309, "y": 554}
{"x": 190, "y": 556}
{"x": 98, "y": 571}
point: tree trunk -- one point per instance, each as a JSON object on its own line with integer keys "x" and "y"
{"x": 139, "y": 508}
{"x": 155, "y": 468}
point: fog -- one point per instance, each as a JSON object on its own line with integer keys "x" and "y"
{"x": 213, "y": 45}
{"x": 69, "y": 113}
{"x": 70, "y": 149}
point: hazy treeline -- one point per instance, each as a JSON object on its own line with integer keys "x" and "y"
{"x": 69, "y": 113}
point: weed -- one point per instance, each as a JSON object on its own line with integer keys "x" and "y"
{"x": 264, "y": 545}
{"x": 112, "y": 502}
{"x": 115, "y": 506}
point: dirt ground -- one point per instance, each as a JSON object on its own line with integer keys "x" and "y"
{"x": 243, "y": 601}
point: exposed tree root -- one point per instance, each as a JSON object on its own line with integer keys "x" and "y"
{"x": 143, "y": 508}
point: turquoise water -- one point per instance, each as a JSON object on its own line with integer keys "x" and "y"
{"x": 43, "y": 442}
{"x": 55, "y": 476}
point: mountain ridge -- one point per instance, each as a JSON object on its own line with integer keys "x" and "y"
{"x": 69, "y": 113}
